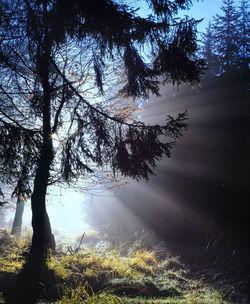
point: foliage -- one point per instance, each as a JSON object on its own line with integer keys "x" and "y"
{"x": 226, "y": 41}
{"x": 226, "y": 36}
{"x": 68, "y": 56}
{"x": 53, "y": 54}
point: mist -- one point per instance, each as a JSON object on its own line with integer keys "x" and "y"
{"x": 202, "y": 188}
{"x": 200, "y": 192}
{"x": 124, "y": 152}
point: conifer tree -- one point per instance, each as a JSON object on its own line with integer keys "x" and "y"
{"x": 243, "y": 28}
{"x": 49, "y": 47}
{"x": 226, "y": 36}
{"x": 208, "y": 51}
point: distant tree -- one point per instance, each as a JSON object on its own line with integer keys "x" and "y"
{"x": 243, "y": 25}
{"x": 18, "y": 219}
{"x": 225, "y": 44}
{"x": 51, "y": 47}
{"x": 244, "y": 42}
{"x": 226, "y": 37}
{"x": 208, "y": 51}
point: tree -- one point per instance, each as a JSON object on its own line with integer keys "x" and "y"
{"x": 18, "y": 219}
{"x": 50, "y": 47}
{"x": 208, "y": 51}
{"x": 225, "y": 44}
{"x": 243, "y": 28}
{"x": 226, "y": 37}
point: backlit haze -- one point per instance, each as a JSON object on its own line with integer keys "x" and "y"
{"x": 196, "y": 174}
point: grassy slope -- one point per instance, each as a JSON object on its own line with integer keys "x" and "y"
{"x": 139, "y": 276}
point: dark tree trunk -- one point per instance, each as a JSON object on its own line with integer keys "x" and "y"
{"x": 17, "y": 224}
{"x": 43, "y": 239}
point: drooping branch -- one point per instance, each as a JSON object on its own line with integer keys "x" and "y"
{"x": 17, "y": 124}
{"x": 170, "y": 121}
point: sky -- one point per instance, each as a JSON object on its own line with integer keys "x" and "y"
{"x": 206, "y": 9}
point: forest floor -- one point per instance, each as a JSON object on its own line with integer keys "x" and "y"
{"x": 102, "y": 270}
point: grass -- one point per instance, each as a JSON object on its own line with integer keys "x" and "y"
{"x": 1, "y": 298}
{"x": 11, "y": 250}
{"x": 85, "y": 295}
{"x": 109, "y": 264}
{"x": 139, "y": 277}
{"x": 133, "y": 279}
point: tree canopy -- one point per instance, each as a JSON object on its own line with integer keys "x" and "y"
{"x": 56, "y": 60}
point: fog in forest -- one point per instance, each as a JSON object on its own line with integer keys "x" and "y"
{"x": 200, "y": 192}
{"x": 124, "y": 152}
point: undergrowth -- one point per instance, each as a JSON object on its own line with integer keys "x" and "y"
{"x": 1, "y": 297}
{"x": 108, "y": 264}
{"x": 12, "y": 252}
{"x": 140, "y": 276}
{"x": 85, "y": 295}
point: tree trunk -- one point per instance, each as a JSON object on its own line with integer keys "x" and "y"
{"x": 42, "y": 239}
{"x": 17, "y": 224}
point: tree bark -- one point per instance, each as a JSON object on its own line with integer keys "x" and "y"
{"x": 43, "y": 239}
{"x": 17, "y": 223}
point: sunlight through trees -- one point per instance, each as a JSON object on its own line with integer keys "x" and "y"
{"x": 48, "y": 51}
